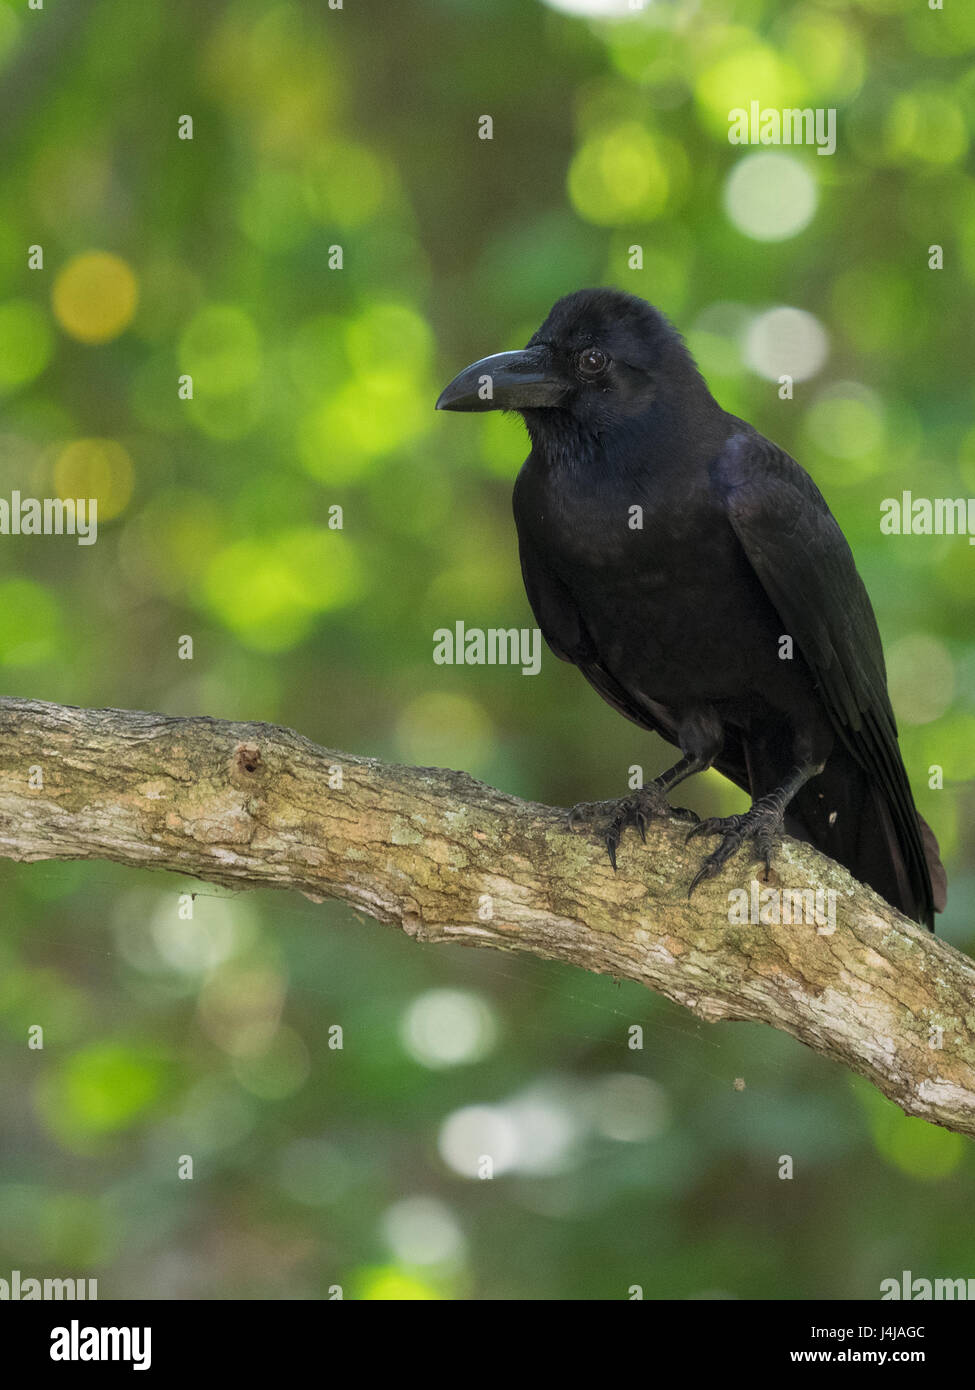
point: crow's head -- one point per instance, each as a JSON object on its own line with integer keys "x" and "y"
{"x": 600, "y": 356}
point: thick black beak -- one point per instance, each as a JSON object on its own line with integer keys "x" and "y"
{"x": 506, "y": 381}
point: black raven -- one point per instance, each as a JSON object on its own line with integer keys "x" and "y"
{"x": 693, "y": 572}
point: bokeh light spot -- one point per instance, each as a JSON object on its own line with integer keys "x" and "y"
{"x": 743, "y": 70}
{"x": 786, "y": 342}
{"x": 240, "y": 1007}
{"x": 95, "y": 296}
{"x": 269, "y": 590}
{"x": 624, "y": 174}
{"x": 477, "y": 1132}
{"x": 600, "y": 9}
{"x": 422, "y": 1231}
{"x": 221, "y": 350}
{"x": 25, "y": 343}
{"x": 770, "y": 196}
{"x": 394, "y": 1285}
{"x": 828, "y": 51}
{"x": 630, "y": 1109}
{"x": 927, "y": 124}
{"x": 371, "y": 416}
{"x": 197, "y": 945}
{"x": 30, "y": 623}
{"x": 920, "y": 677}
{"x": 847, "y": 421}
{"x": 345, "y": 185}
{"x": 448, "y": 1027}
{"x": 273, "y": 210}
{"x": 387, "y": 337}
{"x": 99, "y": 468}
{"x": 103, "y": 1089}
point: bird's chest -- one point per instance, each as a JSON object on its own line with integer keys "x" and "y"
{"x": 658, "y": 578}
{"x": 618, "y": 542}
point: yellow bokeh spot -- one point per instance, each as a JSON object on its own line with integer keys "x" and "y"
{"x": 388, "y": 337}
{"x": 95, "y": 296}
{"x": 99, "y": 468}
{"x": 828, "y": 53}
{"x": 624, "y": 173}
{"x": 744, "y": 70}
{"x": 269, "y": 591}
{"x": 370, "y": 417}
{"x": 390, "y": 1284}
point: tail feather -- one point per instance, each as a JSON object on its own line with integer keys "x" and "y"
{"x": 846, "y": 815}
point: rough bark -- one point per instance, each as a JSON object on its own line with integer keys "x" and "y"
{"x": 449, "y": 859}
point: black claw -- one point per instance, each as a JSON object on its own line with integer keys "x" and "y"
{"x": 707, "y": 870}
{"x": 735, "y": 830}
{"x": 638, "y": 810}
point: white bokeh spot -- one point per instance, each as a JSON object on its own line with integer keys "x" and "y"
{"x": 786, "y": 342}
{"x": 600, "y": 9}
{"x": 770, "y": 196}
{"x": 448, "y": 1028}
{"x": 474, "y": 1132}
{"x": 422, "y": 1231}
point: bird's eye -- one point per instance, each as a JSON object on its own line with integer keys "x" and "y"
{"x": 592, "y": 361}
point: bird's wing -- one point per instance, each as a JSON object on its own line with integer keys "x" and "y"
{"x": 801, "y": 556}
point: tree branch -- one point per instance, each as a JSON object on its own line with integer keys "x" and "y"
{"x": 449, "y": 859}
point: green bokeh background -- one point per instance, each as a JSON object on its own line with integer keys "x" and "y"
{"x": 313, "y": 388}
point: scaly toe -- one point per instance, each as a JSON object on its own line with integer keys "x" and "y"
{"x": 584, "y": 813}
{"x": 637, "y": 810}
{"x": 761, "y": 825}
{"x": 715, "y": 862}
{"x": 713, "y": 825}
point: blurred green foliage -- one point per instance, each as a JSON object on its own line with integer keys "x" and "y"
{"x": 313, "y": 387}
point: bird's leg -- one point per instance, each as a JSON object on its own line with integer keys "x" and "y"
{"x": 639, "y": 808}
{"x": 762, "y": 822}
